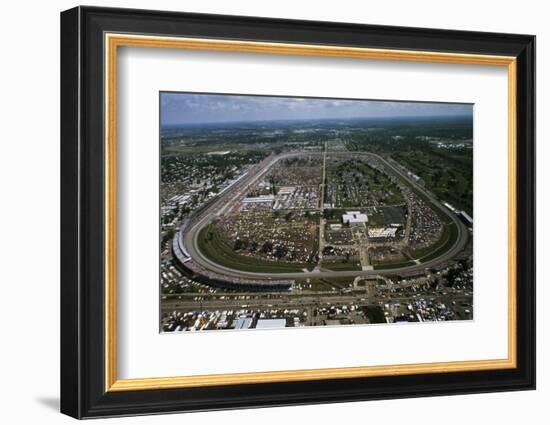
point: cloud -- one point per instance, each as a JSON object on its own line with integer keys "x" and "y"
{"x": 185, "y": 108}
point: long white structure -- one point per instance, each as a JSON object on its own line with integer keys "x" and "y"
{"x": 259, "y": 199}
{"x": 355, "y": 218}
{"x": 271, "y": 323}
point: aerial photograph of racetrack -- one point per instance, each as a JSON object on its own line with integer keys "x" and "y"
{"x": 282, "y": 212}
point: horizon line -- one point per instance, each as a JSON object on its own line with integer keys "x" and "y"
{"x": 316, "y": 119}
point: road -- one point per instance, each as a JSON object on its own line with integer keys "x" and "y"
{"x": 191, "y": 235}
{"x": 298, "y": 302}
{"x": 322, "y": 220}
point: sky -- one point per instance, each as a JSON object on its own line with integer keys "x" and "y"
{"x": 192, "y": 108}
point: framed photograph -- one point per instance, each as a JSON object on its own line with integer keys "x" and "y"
{"x": 261, "y": 212}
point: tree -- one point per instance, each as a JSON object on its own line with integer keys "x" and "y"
{"x": 280, "y": 251}
{"x": 167, "y": 237}
{"x": 239, "y": 244}
{"x": 267, "y": 247}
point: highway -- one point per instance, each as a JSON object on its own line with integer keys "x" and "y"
{"x": 206, "y": 216}
{"x": 303, "y": 301}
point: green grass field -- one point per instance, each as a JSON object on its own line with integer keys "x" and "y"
{"x": 206, "y": 148}
{"x": 341, "y": 265}
{"x": 393, "y": 265}
{"x": 376, "y": 219}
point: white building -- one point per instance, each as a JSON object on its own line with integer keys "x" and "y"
{"x": 382, "y": 232}
{"x": 259, "y": 199}
{"x": 466, "y": 217}
{"x": 286, "y": 190}
{"x": 243, "y": 323}
{"x": 271, "y": 323}
{"x": 355, "y": 218}
{"x": 453, "y": 209}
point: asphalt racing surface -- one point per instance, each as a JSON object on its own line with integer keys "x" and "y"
{"x": 190, "y": 238}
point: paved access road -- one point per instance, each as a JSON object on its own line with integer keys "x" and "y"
{"x": 304, "y": 300}
{"x": 207, "y": 216}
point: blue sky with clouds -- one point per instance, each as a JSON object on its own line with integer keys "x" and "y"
{"x": 188, "y": 108}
